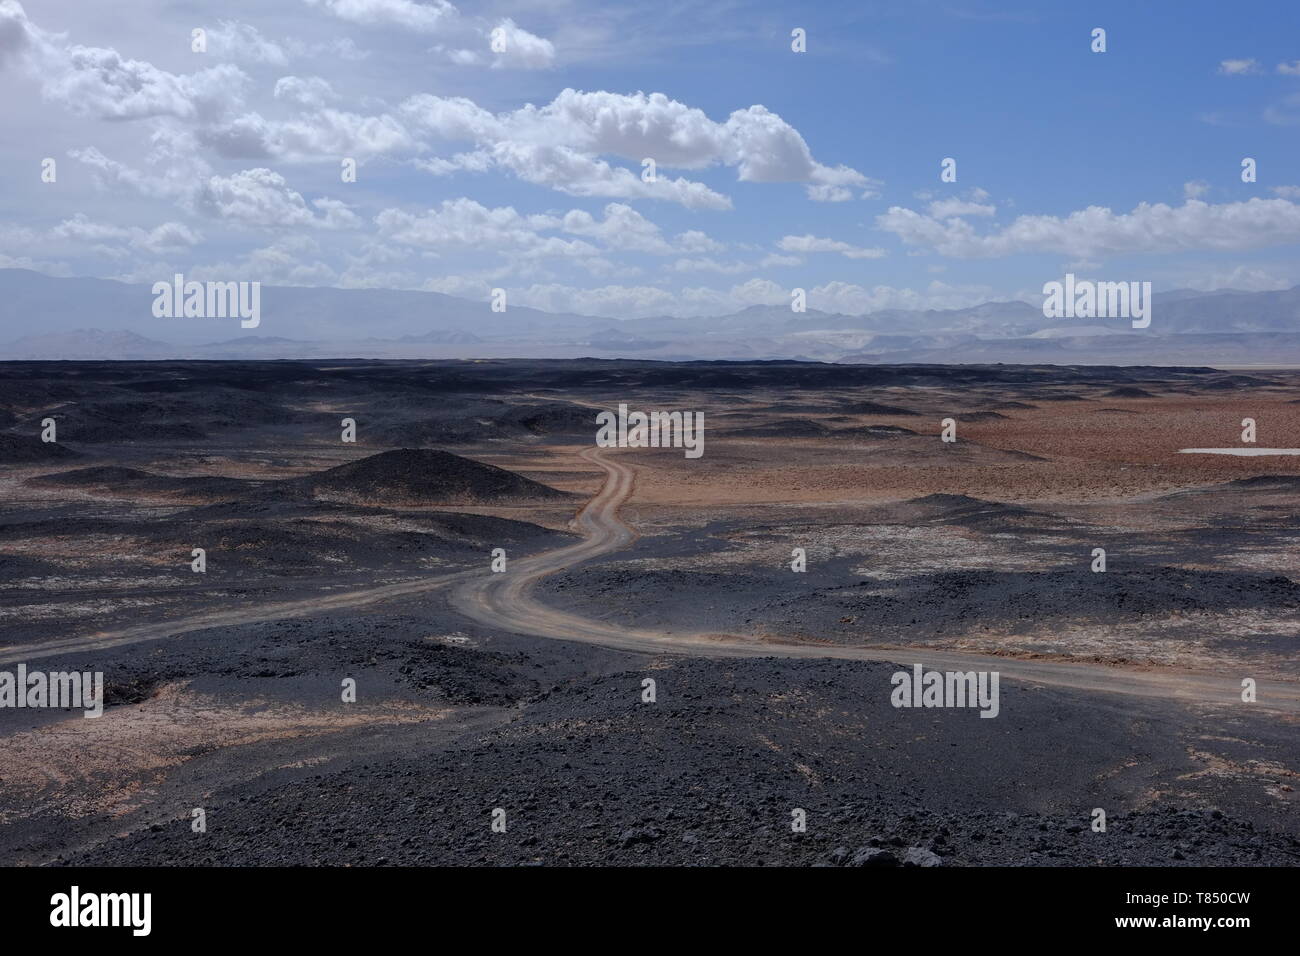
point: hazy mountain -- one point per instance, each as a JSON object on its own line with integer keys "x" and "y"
{"x": 96, "y": 318}
{"x": 86, "y": 344}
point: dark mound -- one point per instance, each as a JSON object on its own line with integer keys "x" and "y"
{"x": 132, "y": 479}
{"x": 439, "y": 432}
{"x": 1115, "y": 411}
{"x": 21, "y": 449}
{"x": 980, "y": 417}
{"x": 483, "y": 422}
{"x": 965, "y": 510}
{"x": 552, "y": 418}
{"x": 1230, "y": 383}
{"x": 875, "y": 408}
{"x": 1267, "y": 483}
{"x": 1059, "y": 397}
{"x": 91, "y": 477}
{"x": 789, "y": 428}
{"x": 874, "y": 431}
{"x": 1263, "y": 484}
{"x": 426, "y": 476}
{"x": 119, "y": 423}
{"x": 15, "y": 566}
{"x": 1080, "y": 595}
{"x": 1009, "y": 405}
{"x": 882, "y": 787}
{"x": 1128, "y": 391}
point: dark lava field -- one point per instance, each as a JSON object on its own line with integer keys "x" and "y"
{"x": 319, "y": 691}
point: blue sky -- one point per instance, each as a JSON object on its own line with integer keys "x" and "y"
{"x": 520, "y": 168}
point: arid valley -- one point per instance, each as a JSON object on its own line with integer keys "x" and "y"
{"x": 637, "y": 656}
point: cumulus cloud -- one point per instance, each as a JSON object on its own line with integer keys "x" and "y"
{"x": 325, "y": 133}
{"x": 424, "y": 17}
{"x": 459, "y": 224}
{"x": 810, "y": 243}
{"x": 1097, "y": 231}
{"x": 622, "y": 228}
{"x": 1241, "y": 278}
{"x": 515, "y": 47}
{"x": 948, "y": 208}
{"x": 242, "y": 41}
{"x": 560, "y": 144}
{"x": 837, "y": 297}
{"x": 851, "y": 299}
{"x": 709, "y": 264}
{"x": 169, "y": 236}
{"x": 575, "y": 173}
{"x": 261, "y": 197}
{"x": 309, "y": 91}
{"x": 18, "y": 36}
{"x": 99, "y": 82}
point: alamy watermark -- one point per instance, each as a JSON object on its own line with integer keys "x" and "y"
{"x": 208, "y": 300}
{"x": 1084, "y": 299}
{"x": 75, "y": 908}
{"x": 59, "y": 689}
{"x": 651, "y": 430}
{"x": 922, "y": 688}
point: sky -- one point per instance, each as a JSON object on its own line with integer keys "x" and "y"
{"x": 502, "y": 145}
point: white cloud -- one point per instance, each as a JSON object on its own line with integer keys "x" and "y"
{"x": 1289, "y": 69}
{"x": 289, "y": 260}
{"x": 424, "y": 17}
{"x": 948, "y": 208}
{"x": 694, "y": 241}
{"x": 709, "y": 264}
{"x": 309, "y": 91}
{"x": 459, "y": 224}
{"x": 99, "y": 82}
{"x": 559, "y": 144}
{"x": 622, "y": 228}
{"x": 1287, "y": 192}
{"x": 1097, "y": 231}
{"x": 522, "y": 50}
{"x": 324, "y": 134}
{"x": 463, "y": 223}
{"x": 779, "y": 261}
{"x": 1195, "y": 189}
{"x": 1241, "y": 278}
{"x": 1238, "y": 67}
{"x": 168, "y": 236}
{"x": 810, "y": 243}
{"x": 1285, "y": 113}
{"x": 850, "y": 299}
{"x": 261, "y": 197}
{"x": 575, "y": 173}
{"x": 241, "y": 41}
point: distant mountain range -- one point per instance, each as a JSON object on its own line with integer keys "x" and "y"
{"x": 42, "y": 317}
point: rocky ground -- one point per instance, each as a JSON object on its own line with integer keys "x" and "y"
{"x": 985, "y": 545}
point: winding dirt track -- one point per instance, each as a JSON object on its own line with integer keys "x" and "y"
{"x": 505, "y": 601}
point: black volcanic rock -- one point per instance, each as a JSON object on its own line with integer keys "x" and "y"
{"x": 875, "y": 408}
{"x": 786, "y": 428}
{"x": 23, "y": 449}
{"x": 134, "y": 480}
{"x": 426, "y": 476}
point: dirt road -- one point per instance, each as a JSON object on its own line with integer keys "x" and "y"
{"x": 506, "y": 601}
